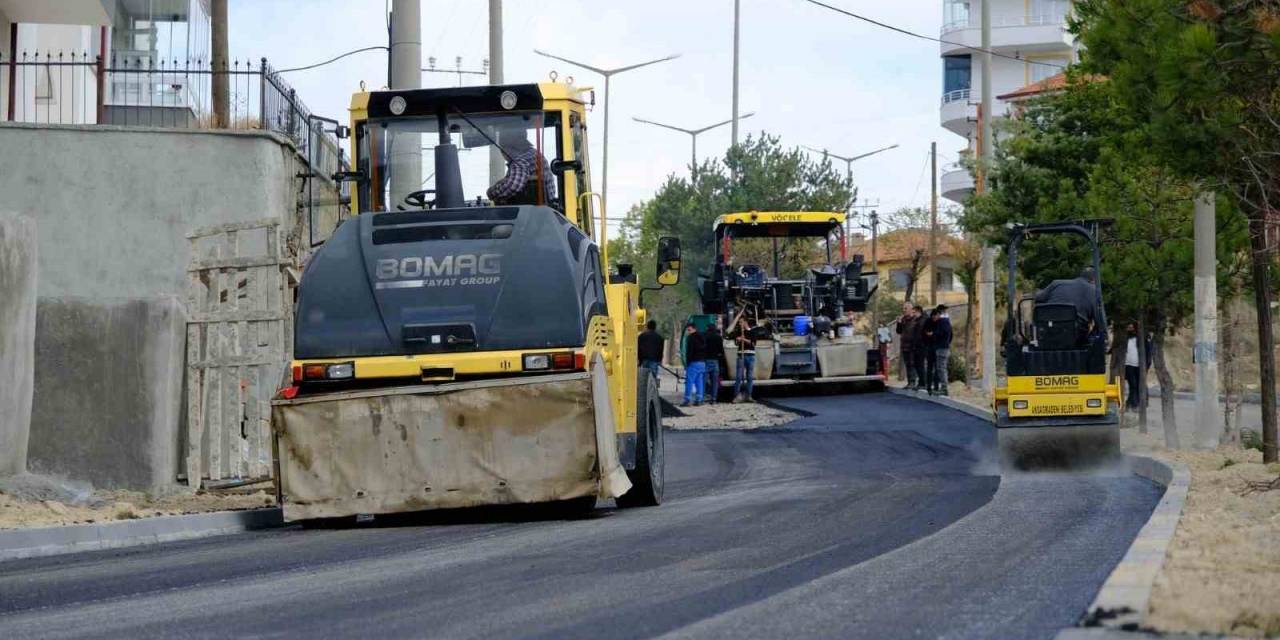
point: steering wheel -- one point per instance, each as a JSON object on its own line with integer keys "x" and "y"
{"x": 419, "y": 199}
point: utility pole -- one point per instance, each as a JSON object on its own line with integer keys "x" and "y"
{"x": 736, "y": 11}
{"x": 406, "y": 73}
{"x": 693, "y": 135}
{"x": 987, "y": 269}
{"x": 607, "y": 73}
{"x": 221, "y": 92}
{"x": 1208, "y": 413}
{"x": 875, "y": 263}
{"x": 497, "y": 165}
{"x": 933, "y": 226}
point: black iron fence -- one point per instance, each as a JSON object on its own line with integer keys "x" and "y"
{"x": 76, "y": 88}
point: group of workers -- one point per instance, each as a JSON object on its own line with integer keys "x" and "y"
{"x": 704, "y": 360}
{"x": 925, "y": 341}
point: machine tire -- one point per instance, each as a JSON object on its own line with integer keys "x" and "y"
{"x": 647, "y": 476}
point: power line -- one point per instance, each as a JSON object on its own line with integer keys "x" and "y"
{"x": 919, "y": 181}
{"x": 333, "y": 59}
{"x": 924, "y": 37}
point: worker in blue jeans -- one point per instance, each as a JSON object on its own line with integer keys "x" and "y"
{"x": 745, "y": 373}
{"x": 695, "y": 370}
{"x": 649, "y": 348}
{"x": 713, "y": 342}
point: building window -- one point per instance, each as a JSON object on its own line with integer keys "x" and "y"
{"x": 946, "y": 279}
{"x": 957, "y": 73}
{"x": 1049, "y": 11}
{"x": 900, "y": 278}
{"x": 1044, "y": 68}
{"x": 955, "y": 13}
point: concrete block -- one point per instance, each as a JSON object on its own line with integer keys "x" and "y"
{"x": 108, "y": 391}
{"x": 17, "y": 338}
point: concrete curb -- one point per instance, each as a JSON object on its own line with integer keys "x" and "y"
{"x": 50, "y": 541}
{"x": 1121, "y": 604}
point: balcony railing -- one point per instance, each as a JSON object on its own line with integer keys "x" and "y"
{"x": 958, "y": 95}
{"x": 1012, "y": 20}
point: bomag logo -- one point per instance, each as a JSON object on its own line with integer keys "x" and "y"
{"x": 446, "y": 271}
{"x": 1057, "y": 382}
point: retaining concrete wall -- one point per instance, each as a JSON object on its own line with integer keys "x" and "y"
{"x": 108, "y": 390}
{"x": 114, "y": 204}
{"x": 17, "y": 338}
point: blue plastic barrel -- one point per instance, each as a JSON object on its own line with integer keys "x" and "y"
{"x": 802, "y": 325}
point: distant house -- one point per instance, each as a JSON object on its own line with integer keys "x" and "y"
{"x": 895, "y": 251}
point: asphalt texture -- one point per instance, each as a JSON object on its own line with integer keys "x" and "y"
{"x": 877, "y": 516}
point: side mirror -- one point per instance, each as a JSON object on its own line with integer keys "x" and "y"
{"x": 558, "y": 166}
{"x": 668, "y": 261}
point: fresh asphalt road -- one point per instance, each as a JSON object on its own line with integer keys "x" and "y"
{"x": 877, "y": 517}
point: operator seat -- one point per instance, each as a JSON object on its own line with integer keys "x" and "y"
{"x": 1058, "y": 326}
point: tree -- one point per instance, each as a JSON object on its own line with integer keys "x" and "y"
{"x": 756, "y": 175}
{"x": 905, "y": 229}
{"x": 968, "y": 262}
{"x": 1201, "y": 77}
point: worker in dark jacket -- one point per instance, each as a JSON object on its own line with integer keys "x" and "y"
{"x": 940, "y": 343}
{"x": 649, "y": 348}
{"x": 714, "y": 344}
{"x": 1079, "y": 292}
{"x": 927, "y": 360}
{"x": 908, "y": 327}
{"x": 743, "y": 336}
{"x": 695, "y": 370}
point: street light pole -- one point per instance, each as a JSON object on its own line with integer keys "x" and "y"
{"x": 693, "y": 135}
{"x": 848, "y": 167}
{"x": 607, "y": 73}
{"x": 736, "y": 13}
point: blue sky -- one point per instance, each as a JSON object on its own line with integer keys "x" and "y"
{"x": 812, "y": 76}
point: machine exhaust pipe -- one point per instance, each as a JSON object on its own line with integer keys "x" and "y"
{"x": 448, "y": 172}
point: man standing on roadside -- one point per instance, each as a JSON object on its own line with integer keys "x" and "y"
{"x": 1133, "y": 401}
{"x": 714, "y": 345}
{"x": 649, "y": 348}
{"x": 941, "y": 344}
{"x": 695, "y": 370}
{"x": 906, "y": 342}
{"x": 745, "y": 372}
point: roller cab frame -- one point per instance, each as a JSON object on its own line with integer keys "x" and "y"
{"x": 1058, "y": 407}
{"x": 451, "y": 351}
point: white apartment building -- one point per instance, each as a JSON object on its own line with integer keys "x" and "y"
{"x": 49, "y": 51}
{"x": 1032, "y": 38}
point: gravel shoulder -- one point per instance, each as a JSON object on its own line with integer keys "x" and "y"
{"x": 725, "y": 415}
{"x": 35, "y": 501}
{"x": 1222, "y": 571}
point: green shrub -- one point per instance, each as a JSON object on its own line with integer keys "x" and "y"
{"x": 1251, "y": 439}
{"x": 956, "y": 370}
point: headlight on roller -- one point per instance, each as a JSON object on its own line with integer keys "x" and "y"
{"x": 1093, "y": 403}
{"x": 1019, "y": 404}
{"x": 343, "y": 371}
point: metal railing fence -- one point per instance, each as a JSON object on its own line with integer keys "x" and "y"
{"x": 77, "y": 88}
